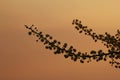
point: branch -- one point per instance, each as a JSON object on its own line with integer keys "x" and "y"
{"x": 71, "y": 52}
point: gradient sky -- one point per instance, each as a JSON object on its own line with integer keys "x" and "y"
{"x": 21, "y": 58}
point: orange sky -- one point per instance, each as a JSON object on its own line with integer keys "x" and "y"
{"x": 21, "y": 58}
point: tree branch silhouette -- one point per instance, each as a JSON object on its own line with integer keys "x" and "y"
{"x": 112, "y": 43}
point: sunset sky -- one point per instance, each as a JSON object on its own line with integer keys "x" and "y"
{"x": 21, "y": 58}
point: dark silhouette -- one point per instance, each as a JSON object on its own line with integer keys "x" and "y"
{"x": 112, "y": 43}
